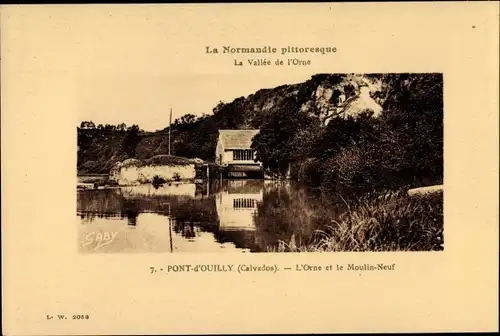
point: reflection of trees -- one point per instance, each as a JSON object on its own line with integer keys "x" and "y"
{"x": 272, "y": 220}
{"x": 130, "y": 210}
{"x": 106, "y": 202}
{"x": 188, "y": 213}
{"x": 193, "y": 210}
{"x": 184, "y": 228}
{"x": 90, "y": 216}
{"x": 112, "y": 203}
{"x": 290, "y": 214}
{"x": 240, "y": 238}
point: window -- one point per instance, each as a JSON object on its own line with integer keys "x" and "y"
{"x": 242, "y": 203}
{"x": 243, "y": 155}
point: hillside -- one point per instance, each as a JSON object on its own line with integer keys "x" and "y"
{"x": 356, "y": 131}
{"x": 193, "y": 137}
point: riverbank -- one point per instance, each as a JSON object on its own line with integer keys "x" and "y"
{"x": 381, "y": 222}
{"x": 272, "y": 216}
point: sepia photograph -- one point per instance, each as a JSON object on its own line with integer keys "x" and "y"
{"x": 257, "y": 168}
{"x": 339, "y": 162}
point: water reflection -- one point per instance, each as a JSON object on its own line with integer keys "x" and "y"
{"x": 226, "y": 216}
{"x": 237, "y": 202}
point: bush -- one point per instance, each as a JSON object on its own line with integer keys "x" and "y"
{"x": 386, "y": 222}
{"x": 330, "y": 178}
{"x": 176, "y": 177}
{"x": 352, "y": 169}
{"x": 310, "y": 171}
{"x": 158, "y": 181}
{"x": 89, "y": 167}
{"x": 170, "y": 160}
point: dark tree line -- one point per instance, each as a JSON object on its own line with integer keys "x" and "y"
{"x": 403, "y": 147}
{"x": 99, "y": 147}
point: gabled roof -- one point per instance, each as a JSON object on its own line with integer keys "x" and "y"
{"x": 237, "y": 139}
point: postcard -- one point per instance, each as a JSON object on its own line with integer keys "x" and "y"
{"x": 249, "y": 168}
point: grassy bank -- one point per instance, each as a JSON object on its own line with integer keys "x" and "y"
{"x": 381, "y": 222}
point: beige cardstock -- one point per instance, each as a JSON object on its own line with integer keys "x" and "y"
{"x": 47, "y": 52}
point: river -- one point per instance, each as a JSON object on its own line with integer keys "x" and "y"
{"x": 239, "y": 216}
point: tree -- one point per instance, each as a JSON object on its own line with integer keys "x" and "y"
{"x": 188, "y": 119}
{"x": 414, "y": 119}
{"x": 274, "y": 143}
{"x": 87, "y": 125}
{"x": 109, "y": 127}
{"x": 131, "y": 140}
{"x": 403, "y": 148}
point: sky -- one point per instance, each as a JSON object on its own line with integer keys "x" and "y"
{"x": 146, "y": 100}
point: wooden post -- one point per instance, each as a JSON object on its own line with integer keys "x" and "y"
{"x": 170, "y": 228}
{"x": 169, "y": 132}
{"x": 220, "y": 178}
{"x": 170, "y": 231}
{"x": 208, "y": 180}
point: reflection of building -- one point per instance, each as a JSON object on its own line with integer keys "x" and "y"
{"x": 237, "y": 203}
{"x": 168, "y": 189}
{"x": 234, "y": 152}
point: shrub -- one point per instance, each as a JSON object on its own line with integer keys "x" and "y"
{"x": 176, "y": 177}
{"x": 170, "y": 160}
{"x": 89, "y": 167}
{"x": 158, "y": 181}
{"x": 352, "y": 168}
{"x": 386, "y": 222}
{"x": 330, "y": 178}
{"x": 309, "y": 171}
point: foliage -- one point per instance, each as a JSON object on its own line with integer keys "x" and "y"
{"x": 391, "y": 221}
{"x": 310, "y": 172}
{"x": 170, "y": 160}
{"x": 131, "y": 140}
{"x": 283, "y": 215}
{"x": 274, "y": 143}
{"x": 402, "y": 148}
{"x": 158, "y": 181}
{"x": 176, "y": 177}
{"x": 394, "y": 222}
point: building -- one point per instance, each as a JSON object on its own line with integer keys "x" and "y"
{"x": 167, "y": 167}
{"x": 234, "y": 153}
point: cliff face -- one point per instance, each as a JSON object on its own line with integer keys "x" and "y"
{"x": 323, "y": 97}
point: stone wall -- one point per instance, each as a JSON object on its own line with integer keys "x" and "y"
{"x": 132, "y": 175}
